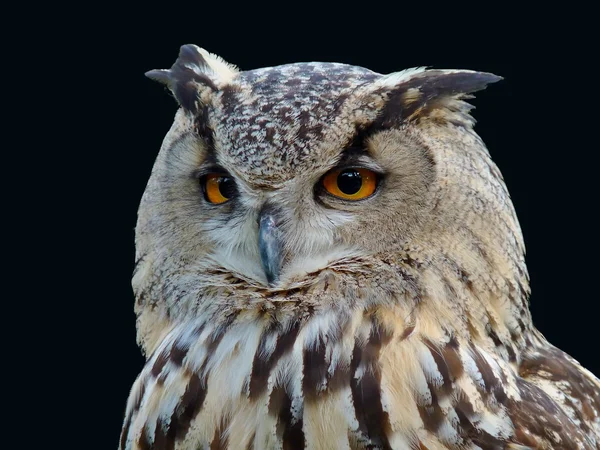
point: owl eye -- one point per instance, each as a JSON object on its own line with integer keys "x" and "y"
{"x": 351, "y": 183}
{"x": 217, "y": 187}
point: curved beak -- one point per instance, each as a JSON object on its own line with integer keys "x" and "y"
{"x": 270, "y": 243}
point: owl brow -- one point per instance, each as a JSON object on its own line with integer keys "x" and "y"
{"x": 208, "y": 166}
{"x": 356, "y": 147}
{"x": 352, "y": 155}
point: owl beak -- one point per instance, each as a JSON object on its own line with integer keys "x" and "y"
{"x": 269, "y": 243}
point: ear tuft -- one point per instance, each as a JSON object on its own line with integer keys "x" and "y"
{"x": 194, "y": 70}
{"x": 416, "y": 94}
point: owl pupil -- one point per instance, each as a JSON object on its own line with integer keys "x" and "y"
{"x": 226, "y": 187}
{"x": 349, "y": 181}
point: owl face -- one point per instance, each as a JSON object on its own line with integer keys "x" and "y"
{"x": 270, "y": 176}
{"x": 283, "y": 173}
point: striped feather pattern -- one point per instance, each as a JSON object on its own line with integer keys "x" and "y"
{"x": 361, "y": 378}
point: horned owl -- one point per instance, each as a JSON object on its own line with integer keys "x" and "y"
{"x": 327, "y": 258}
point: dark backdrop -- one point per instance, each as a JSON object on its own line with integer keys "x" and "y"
{"x": 530, "y": 122}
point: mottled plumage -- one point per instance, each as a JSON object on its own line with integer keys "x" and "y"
{"x": 289, "y": 318}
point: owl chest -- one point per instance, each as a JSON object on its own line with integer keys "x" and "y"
{"x": 293, "y": 388}
{"x": 321, "y": 384}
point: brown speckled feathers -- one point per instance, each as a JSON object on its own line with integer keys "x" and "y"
{"x": 287, "y": 318}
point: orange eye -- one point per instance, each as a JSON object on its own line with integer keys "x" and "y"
{"x": 351, "y": 184}
{"x": 217, "y": 187}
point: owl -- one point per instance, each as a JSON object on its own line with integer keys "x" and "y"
{"x": 327, "y": 258}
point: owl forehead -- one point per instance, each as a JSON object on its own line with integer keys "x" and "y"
{"x": 269, "y": 122}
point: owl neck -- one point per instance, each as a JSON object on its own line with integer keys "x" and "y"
{"x": 352, "y": 347}
{"x": 433, "y": 297}
{"x": 395, "y": 337}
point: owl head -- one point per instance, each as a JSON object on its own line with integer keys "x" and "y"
{"x": 270, "y": 178}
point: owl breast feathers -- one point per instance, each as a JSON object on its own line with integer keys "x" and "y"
{"x": 327, "y": 258}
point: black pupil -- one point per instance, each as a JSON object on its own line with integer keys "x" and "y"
{"x": 226, "y": 187}
{"x": 349, "y": 181}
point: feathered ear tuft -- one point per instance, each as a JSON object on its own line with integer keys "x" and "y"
{"x": 435, "y": 94}
{"x": 194, "y": 71}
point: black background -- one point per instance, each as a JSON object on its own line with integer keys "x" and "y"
{"x": 532, "y": 122}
